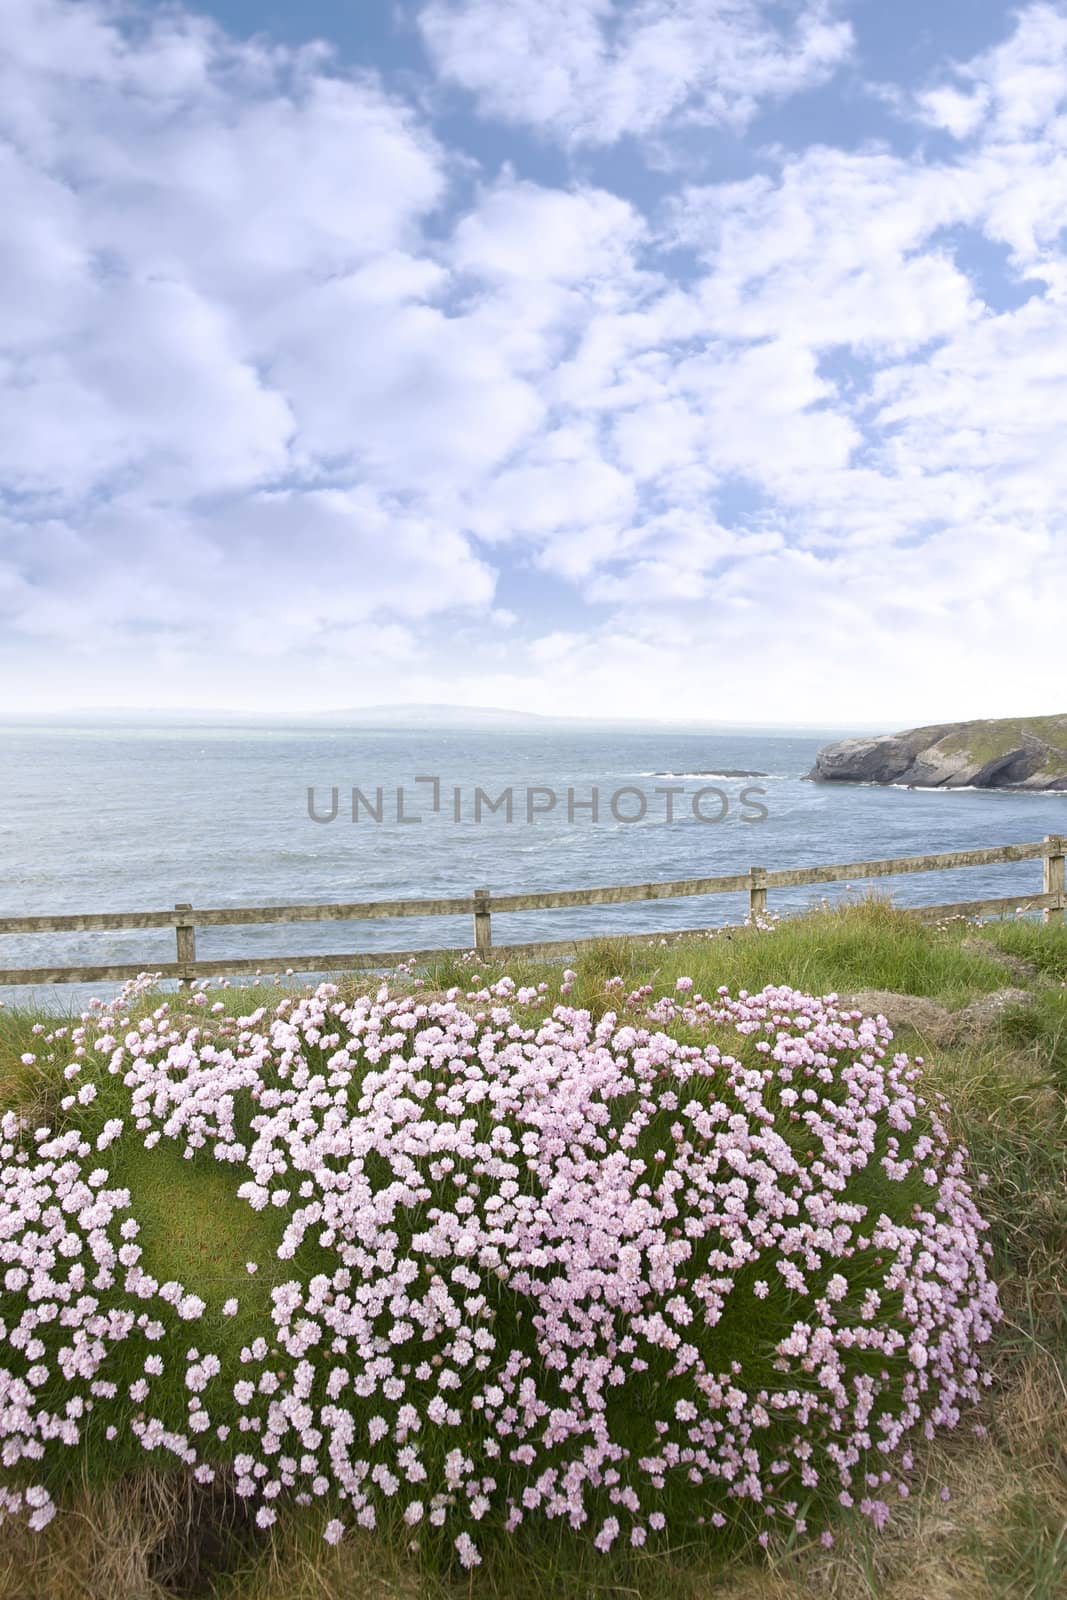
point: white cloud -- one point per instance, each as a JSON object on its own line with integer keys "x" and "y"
{"x": 523, "y": 231}
{"x": 395, "y": 389}
{"x": 590, "y": 71}
{"x": 989, "y": 407}
{"x": 263, "y": 574}
{"x": 837, "y": 249}
{"x": 155, "y": 381}
{"x": 967, "y": 624}
{"x": 760, "y": 406}
{"x": 279, "y": 401}
{"x": 954, "y": 110}
{"x": 174, "y": 190}
{"x": 1019, "y": 85}
{"x": 218, "y": 299}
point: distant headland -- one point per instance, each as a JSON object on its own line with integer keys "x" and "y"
{"x": 1002, "y": 753}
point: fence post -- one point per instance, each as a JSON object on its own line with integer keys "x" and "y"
{"x": 1054, "y": 881}
{"x": 757, "y": 892}
{"x": 185, "y": 938}
{"x": 483, "y": 933}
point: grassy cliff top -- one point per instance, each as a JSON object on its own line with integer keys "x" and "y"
{"x": 986, "y": 739}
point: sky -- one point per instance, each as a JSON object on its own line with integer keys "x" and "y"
{"x": 622, "y": 358}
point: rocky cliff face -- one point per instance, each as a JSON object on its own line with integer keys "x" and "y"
{"x": 1008, "y": 753}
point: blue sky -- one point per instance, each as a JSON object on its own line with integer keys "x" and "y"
{"x": 678, "y": 358}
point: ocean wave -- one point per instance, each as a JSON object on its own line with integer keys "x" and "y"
{"x": 941, "y": 788}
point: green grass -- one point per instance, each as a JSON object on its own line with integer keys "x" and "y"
{"x": 1001, "y": 1538}
{"x": 863, "y": 944}
{"x": 1044, "y": 945}
{"x": 984, "y": 741}
{"x": 32, "y": 1088}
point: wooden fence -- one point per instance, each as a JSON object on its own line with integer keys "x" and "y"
{"x": 481, "y": 905}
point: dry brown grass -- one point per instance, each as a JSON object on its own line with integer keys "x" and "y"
{"x": 100, "y": 1547}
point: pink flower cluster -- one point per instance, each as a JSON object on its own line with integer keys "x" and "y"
{"x": 551, "y": 1268}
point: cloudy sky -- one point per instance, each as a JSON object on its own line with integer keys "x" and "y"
{"x": 676, "y": 358}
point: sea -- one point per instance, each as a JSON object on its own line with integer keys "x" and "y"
{"x": 139, "y": 817}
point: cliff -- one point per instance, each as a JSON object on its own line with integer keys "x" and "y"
{"x": 1005, "y": 753}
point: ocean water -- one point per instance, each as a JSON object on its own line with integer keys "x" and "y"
{"x": 132, "y": 818}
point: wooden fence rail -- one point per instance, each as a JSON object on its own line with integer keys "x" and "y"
{"x": 481, "y": 905}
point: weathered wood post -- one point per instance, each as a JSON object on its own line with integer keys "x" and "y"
{"x": 483, "y": 932}
{"x": 757, "y": 892}
{"x": 185, "y": 939}
{"x": 1054, "y": 881}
